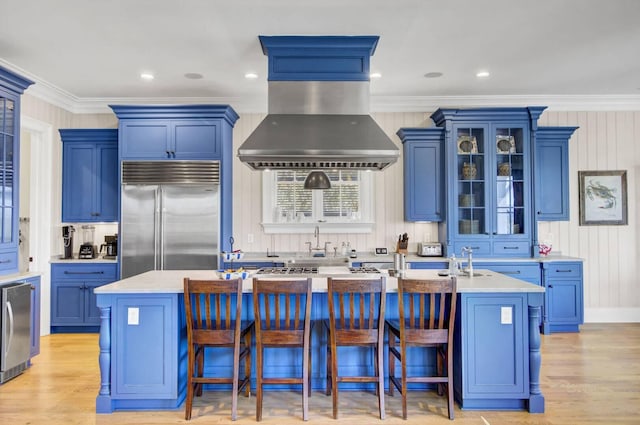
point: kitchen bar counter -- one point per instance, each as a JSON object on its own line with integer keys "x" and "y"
{"x": 171, "y": 281}
{"x": 143, "y": 341}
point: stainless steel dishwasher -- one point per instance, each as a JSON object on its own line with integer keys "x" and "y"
{"x": 15, "y": 340}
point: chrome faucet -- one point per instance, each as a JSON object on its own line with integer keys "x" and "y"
{"x": 312, "y": 249}
{"x": 469, "y": 251}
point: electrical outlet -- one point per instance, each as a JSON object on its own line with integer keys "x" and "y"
{"x": 506, "y": 315}
{"x": 133, "y": 316}
{"x": 250, "y": 238}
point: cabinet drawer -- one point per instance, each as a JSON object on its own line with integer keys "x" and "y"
{"x": 507, "y": 249}
{"x": 479, "y": 248}
{"x": 8, "y": 260}
{"x": 561, "y": 270}
{"x": 106, "y": 272}
{"x": 525, "y": 271}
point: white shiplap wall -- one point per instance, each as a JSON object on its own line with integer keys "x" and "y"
{"x": 604, "y": 141}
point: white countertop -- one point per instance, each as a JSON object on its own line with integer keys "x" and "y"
{"x": 99, "y": 259}
{"x": 13, "y": 277}
{"x": 171, "y": 281}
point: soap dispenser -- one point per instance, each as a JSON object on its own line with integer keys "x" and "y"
{"x": 453, "y": 265}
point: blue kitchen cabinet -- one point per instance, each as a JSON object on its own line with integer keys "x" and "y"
{"x": 490, "y": 353}
{"x": 194, "y": 132}
{"x": 73, "y": 302}
{"x": 552, "y": 173}
{"x": 89, "y": 175}
{"x": 488, "y": 168}
{"x": 423, "y": 173}
{"x": 527, "y": 271}
{"x": 11, "y": 88}
{"x": 564, "y": 300}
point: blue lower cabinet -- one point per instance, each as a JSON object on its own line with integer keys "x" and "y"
{"x": 564, "y": 304}
{"x": 73, "y": 302}
{"x": 491, "y": 368}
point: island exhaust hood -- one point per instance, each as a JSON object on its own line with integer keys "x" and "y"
{"x": 318, "y": 112}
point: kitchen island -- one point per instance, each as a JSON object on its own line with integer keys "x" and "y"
{"x": 143, "y": 350}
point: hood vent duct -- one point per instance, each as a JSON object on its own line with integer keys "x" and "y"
{"x": 318, "y": 108}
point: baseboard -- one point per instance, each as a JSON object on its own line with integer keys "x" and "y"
{"x": 611, "y": 315}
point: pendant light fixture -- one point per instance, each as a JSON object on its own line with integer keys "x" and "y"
{"x": 317, "y": 180}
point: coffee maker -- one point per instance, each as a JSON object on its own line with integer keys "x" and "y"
{"x": 110, "y": 246}
{"x": 88, "y": 250}
{"x": 67, "y": 239}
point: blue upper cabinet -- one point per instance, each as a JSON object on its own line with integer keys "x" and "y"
{"x": 174, "y": 132}
{"x": 423, "y": 173}
{"x": 488, "y": 167}
{"x": 552, "y": 173}
{"x": 11, "y": 88}
{"x": 89, "y": 175}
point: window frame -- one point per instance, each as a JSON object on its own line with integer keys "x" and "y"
{"x": 362, "y": 225}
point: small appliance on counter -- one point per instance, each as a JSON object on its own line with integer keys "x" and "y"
{"x": 67, "y": 239}
{"x": 110, "y": 247}
{"x": 429, "y": 249}
{"x": 88, "y": 250}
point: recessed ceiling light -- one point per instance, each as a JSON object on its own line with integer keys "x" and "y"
{"x": 483, "y": 74}
{"x": 250, "y": 75}
{"x": 147, "y": 76}
{"x": 193, "y": 76}
{"x": 375, "y": 75}
{"x": 433, "y": 74}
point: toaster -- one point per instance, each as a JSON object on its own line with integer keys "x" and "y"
{"x": 429, "y": 249}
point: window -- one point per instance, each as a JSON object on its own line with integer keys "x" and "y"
{"x": 290, "y": 208}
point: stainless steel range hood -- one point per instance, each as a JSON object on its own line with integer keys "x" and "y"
{"x": 318, "y": 125}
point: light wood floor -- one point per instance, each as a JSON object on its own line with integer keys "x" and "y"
{"x": 587, "y": 378}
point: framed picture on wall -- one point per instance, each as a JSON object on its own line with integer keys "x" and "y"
{"x": 603, "y": 197}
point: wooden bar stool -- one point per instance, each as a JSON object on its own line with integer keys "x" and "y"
{"x": 426, "y": 319}
{"x": 356, "y": 318}
{"x": 282, "y": 311}
{"x": 213, "y": 313}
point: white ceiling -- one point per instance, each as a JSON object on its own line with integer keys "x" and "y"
{"x": 85, "y": 54}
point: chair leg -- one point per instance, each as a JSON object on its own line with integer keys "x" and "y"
{"x": 259, "y": 384}
{"x": 309, "y": 377}
{"x": 450, "y": 386}
{"x": 403, "y": 372}
{"x": 439, "y": 369}
{"x": 200, "y": 364}
{"x": 305, "y": 382}
{"x": 380, "y": 374}
{"x": 234, "y": 382}
{"x": 188, "y": 404}
{"x": 334, "y": 381}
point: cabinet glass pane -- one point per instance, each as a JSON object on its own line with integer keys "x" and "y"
{"x": 7, "y": 228}
{"x": 9, "y": 117}
{"x": 471, "y": 163}
{"x": 509, "y": 172}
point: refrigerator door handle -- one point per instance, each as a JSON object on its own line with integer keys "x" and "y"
{"x": 10, "y": 314}
{"x": 157, "y": 265}
{"x": 161, "y": 228}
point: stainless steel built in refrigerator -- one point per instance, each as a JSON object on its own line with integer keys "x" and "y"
{"x": 15, "y": 319}
{"x": 170, "y": 216}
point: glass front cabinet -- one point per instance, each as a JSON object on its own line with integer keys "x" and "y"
{"x": 489, "y": 176}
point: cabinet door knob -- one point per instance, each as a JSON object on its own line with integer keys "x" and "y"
{"x": 539, "y": 212}
{"x": 168, "y": 154}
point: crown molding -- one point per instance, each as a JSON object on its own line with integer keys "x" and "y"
{"x": 552, "y": 102}
{"x": 258, "y": 104}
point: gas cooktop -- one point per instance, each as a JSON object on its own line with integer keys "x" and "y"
{"x": 312, "y": 270}
{"x": 288, "y": 270}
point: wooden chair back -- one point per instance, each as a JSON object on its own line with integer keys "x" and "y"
{"x": 427, "y": 310}
{"x": 356, "y": 310}
{"x": 282, "y": 311}
{"x": 212, "y": 307}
